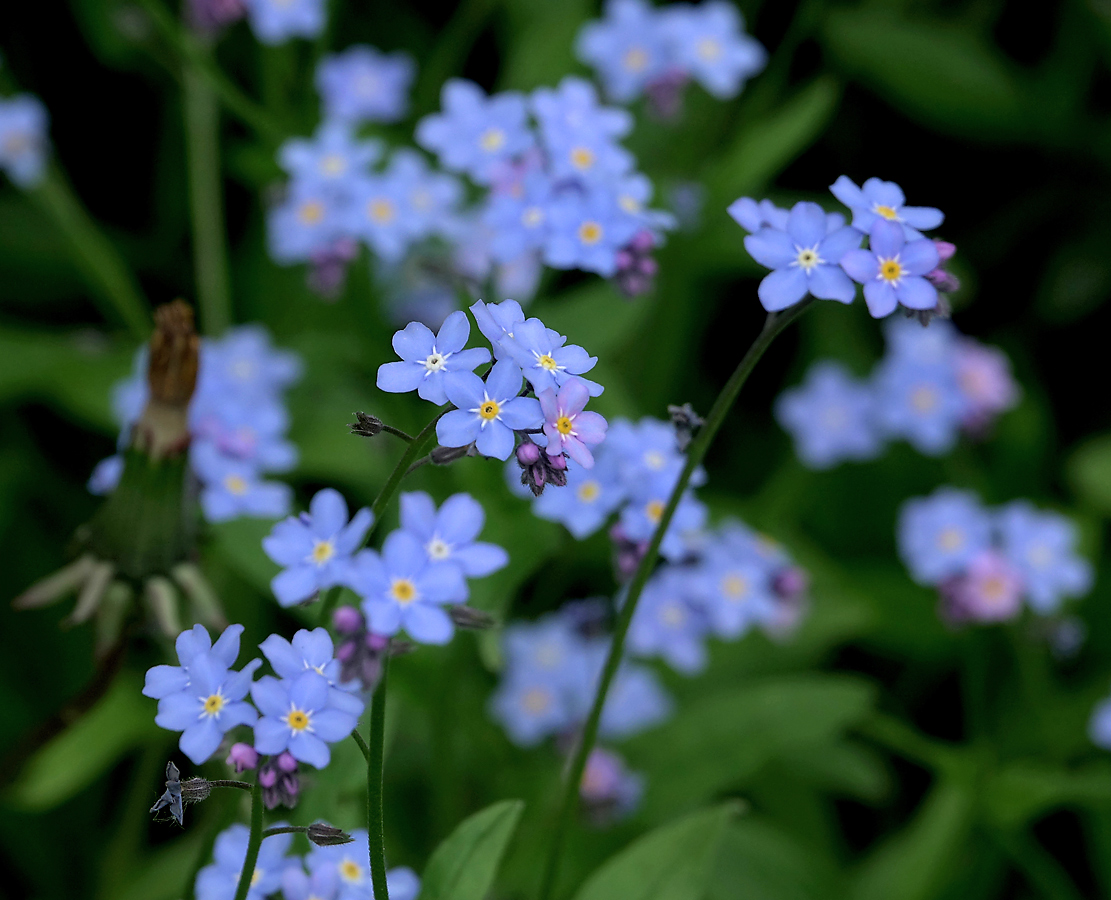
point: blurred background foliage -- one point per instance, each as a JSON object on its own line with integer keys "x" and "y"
{"x": 878, "y": 754}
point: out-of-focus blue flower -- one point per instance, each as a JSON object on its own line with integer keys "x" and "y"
{"x": 1099, "y": 726}
{"x": 531, "y": 706}
{"x": 581, "y": 136}
{"x": 635, "y": 702}
{"x": 449, "y": 534}
{"x": 244, "y": 360}
{"x": 879, "y": 201}
{"x": 321, "y": 883}
{"x": 586, "y": 231}
{"x": 298, "y": 716}
{"x": 210, "y": 702}
{"x": 989, "y": 590}
{"x": 547, "y": 360}
{"x": 346, "y": 866}
{"x": 518, "y": 219}
{"x": 985, "y": 380}
{"x": 307, "y": 221}
{"x": 567, "y": 427}
{"x": 830, "y": 416}
{"x": 314, "y": 549}
{"x": 248, "y": 429}
{"x": 609, "y": 791}
{"x": 233, "y": 488}
{"x": 644, "y": 511}
{"x": 330, "y": 158}
{"x": 24, "y": 145}
{"x": 669, "y": 622}
{"x": 891, "y": 269}
{"x": 939, "y": 535}
{"x": 375, "y": 214}
{"x": 276, "y": 21}
{"x": 363, "y": 84}
{"x": 804, "y": 259}
{"x": 429, "y": 199}
{"x": 498, "y": 321}
{"x": 220, "y": 879}
{"x": 920, "y": 403}
{"x": 648, "y": 456}
{"x": 430, "y": 363}
{"x": 106, "y": 475}
{"x": 709, "y": 44}
{"x": 476, "y": 134}
{"x": 587, "y": 500}
{"x": 752, "y": 215}
{"x": 628, "y": 48}
{"x": 1042, "y": 545}
{"x": 735, "y": 593}
{"x": 401, "y": 589}
{"x": 488, "y": 413}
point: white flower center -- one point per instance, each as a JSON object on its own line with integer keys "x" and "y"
{"x": 435, "y": 361}
{"x": 438, "y": 549}
{"x": 807, "y": 258}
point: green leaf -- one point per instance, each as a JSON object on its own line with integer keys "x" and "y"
{"x": 239, "y": 542}
{"x": 1025, "y": 790}
{"x": 671, "y": 863}
{"x": 464, "y": 865}
{"x": 1089, "y": 471}
{"x": 593, "y": 316}
{"x": 759, "y": 861}
{"x": 944, "y": 75}
{"x": 123, "y": 719}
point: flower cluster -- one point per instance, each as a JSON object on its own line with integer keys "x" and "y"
{"x": 276, "y": 21}
{"x": 237, "y": 424}
{"x": 297, "y": 714}
{"x": 985, "y": 563}
{"x": 932, "y": 384}
{"x": 338, "y": 872}
{"x": 812, "y": 252}
{"x": 411, "y": 584}
{"x": 24, "y": 145}
{"x": 638, "y": 49}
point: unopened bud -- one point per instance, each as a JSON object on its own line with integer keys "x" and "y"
{"x": 365, "y": 425}
{"x": 471, "y": 618}
{"x": 441, "y": 456}
{"x": 348, "y": 620}
{"x": 528, "y": 453}
{"x": 242, "y": 757}
{"x": 686, "y": 422}
{"x": 324, "y": 835}
{"x": 286, "y": 762}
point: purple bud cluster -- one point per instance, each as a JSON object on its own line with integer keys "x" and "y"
{"x": 988, "y": 563}
{"x": 932, "y": 385}
{"x": 812, "y": 252}
{"x": 24, "y": 143}
{"x": 237, "y": 422}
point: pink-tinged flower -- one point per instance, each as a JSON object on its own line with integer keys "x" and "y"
{"x": 990, "y": 591}
{"x": 568, "y": 429}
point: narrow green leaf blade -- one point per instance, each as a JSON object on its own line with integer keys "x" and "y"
{"x": 464, "y": 865}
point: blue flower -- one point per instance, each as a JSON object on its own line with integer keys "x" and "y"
{"x": 891, "y": 270}
{"x": 735, "y": 592}
{"x": 331, "y": 158}
{"x": 531, "y": 706}
{"x": 298, "y": 715}
{"x": 939, "y": 535}
{"x": 1099, "y": 725}
{"x": 23, "y": 140}
{"x": 432, "y": 362}
{"x": 880, "y": 201}
{"x": 635, "y": 701}
{"x": 609, "y": 791}
{"x": 488, "y": 413}
{"x": 587, "y": 500}
{"x": 375, "y": 214}
{"x": 498, "y": 321}
{"x": 249, "y": 429}
{"x": 628, "y": 48}
{"x": 346, "y": 867}
{"x": 708, "y": 43}
{"x": 448, "y": 534}
{"x": 546, "y": 359}
{"x": 587, "y": 229}
{"x": 830, "y": 416}
{"x": 233, "y": 488}
{"x": 244, "y": 361}
{"x": 669, "y": 623}
{"x": 106, "y": 475}
{"x": 921, "y": 403}
{"x": 804, "y": 258}
{"x": 210, "y": 702}
{"x": 401, "y": 589}
{"x": 648, "y": 456}
{"x": 429, "y": 199}
{"x": 275, "y": 21}
{"x": 313, "y": 651}
{"x": 518, "y": 219}
{"x": 580, "y": 135}
{"x": 306, "y": 222}
{"x": 644, "y": 511}
{"x": 753, "y": 216}
{"x": 362, "y": 84}
{"x": 219, "y": 879}
{"x": 476, "y": 134}
{"x": 1042, "y": 546}
{"x": 161, "y": 681}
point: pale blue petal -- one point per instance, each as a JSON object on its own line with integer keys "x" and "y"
{"x": 782, "y": 288}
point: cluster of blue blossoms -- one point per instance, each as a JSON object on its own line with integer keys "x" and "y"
{"x": 986, "y": 563}
{"x": 931, "y": 385}
{"x": 812, "y": 252}
{"x": 336, "y": 872}
{"x": 237, "y": 422}
{"x": 24, "y": 144}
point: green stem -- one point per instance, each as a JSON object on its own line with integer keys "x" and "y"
{"x": 112, "y": 284}
{"x": 253, "y": 843}
{"x": 363, "y": 748}
{"x": 206, "y": 206}
{"x": 375, "y": 814}
{"x": 773, "y": 325}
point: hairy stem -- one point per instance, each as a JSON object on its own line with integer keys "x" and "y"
{"x": 775, "y": 323}
{"x": 375, "y": 814}
{"x": 253, "y": 843}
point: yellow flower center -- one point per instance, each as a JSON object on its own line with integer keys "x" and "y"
{"x": 547, "y": 362}
{"x": 887, "y": 212}
{"x": 950, "y": 539}
{"x": 297, "y": 720}
{"x": 890, "y": 270}
{"x": 536, "y": 700}
{"x": 350, "y": 870}
{"x": 381, "y": 210}
{"x": 403, "y": 590}
{"x": 492, "y": 140}
{"x": 734, "y": 587}
{"x": 311, "y": 212}
{"x": 582, "y": 158}
{"x": 588, "y": 491}
{"x": 564, "y": 425}
{"x": 256, "y": 876}
{"x": 654, "y": 510}
{"x": 709, "y": 49}
{"x": 489, "y": 410}
{"x": 923, "y": 398}
{"x": 590, "y": 232}
{"x": 333, "y": 164}
{"x": 994, "y": 589}
{"x": 635, "y": 59}
{"x": 213, "y": 704}
{"x": 235, "y": 484}
{"x": 323, "y": 551}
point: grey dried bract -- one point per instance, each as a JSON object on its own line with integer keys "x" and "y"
{"x": 171, "y": 797}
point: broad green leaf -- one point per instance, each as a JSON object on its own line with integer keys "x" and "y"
{"x": 1089, "y": 470}
{"x": 846, "y": 768}
{"x": 944, "y": 75}
{"x": 464, "y": 865}
{"x": 671, "y": 863}
{"x": 759, "y": 861}
{"x": 123, "y": 719}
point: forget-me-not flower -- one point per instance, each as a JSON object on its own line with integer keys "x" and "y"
{"x": 276, "y": 21}
{"x": 569, "y": 429}
{"x": 498, "y": 321}
{"x": 298, "y": 716}
{"x": 330, "y": 158}
{"x": 628, "y": 48}
{"x": 431, "y": 362}
{"x": 891, "y": 269}
{"x": 488, "y": 412}
{"x": 363, "y": 84}
{"x": 879, "y": 201}
{"x": 233, "y": 488}
{"x": 588, "y": 499}
{"x": 586, "y": 231}
{"x": 708, "y": 43}
{"x": 1042, "y": 545}
{"x": 546, "y": 359}
{"x": 220, "y": 878}
{"x": 449, "y": 533}
{"x": 939, "y": 535}
{"x": 347, "y": 863}
{"x": 669, "y": 623}
{"x": 23, "y": 139}
{"x": 920, "y": 403}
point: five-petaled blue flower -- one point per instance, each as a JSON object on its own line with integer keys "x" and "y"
{"x": 430, "y": 363}
{"x": 879, "y": 201}
{"x": 298, "y": 715}
{"x": 449, "y": 534}
{"x": 891, "y": 270}
{"x": 488, "y": 412}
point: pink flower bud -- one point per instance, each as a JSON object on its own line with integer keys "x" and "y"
{"x": 242, "y": 757}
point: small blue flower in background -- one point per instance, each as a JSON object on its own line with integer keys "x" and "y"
{"x": 609, "y": 791}
{"x": 921, "y": 403}
{"x": 346, "y": 866}
{"x": 449, "y": 534}
{"x": 581, "y": 136}
{"x": 476, "y": 134}
{"x": 709, "y": 44}
{"x": 735, "y": 594}
{"x": 644, "y": 511}
{"x": 233, "y": 488}
{"x": 546, "y": 359}
{"x": 401, "y": 589}
{"x": 669, "y": 622}
{"x": 429, "y": 199}
{"x": 220, "y": 879}
{"x": 532, "y": 706}
{"x": 106, "y": 475}
{"x": 627, "y": 48}
{"x": 831, "y": 417}
{"x": 210, "y": 702}
{"x": 518, "y": 219}
{"x": 587, "y": 500}
{"x": 989, "y": 590}
{"x": 1042, "y": 545}
{"x": 488, "y": 413}
{"x": 804, "y": 258}
{"x": 880, "y": 201}
{"x": 1099, "y": 726}
{"x": 891, "y": 269}
{"x": 635, "y": 702}
{"x": 375, "y": 214}
{"x": 307, "y": 221}
{"x": 363, "y": 84}
{"x": 320, "y": 883}
{"x": 330, "y": 158}
{"x": 939, "y": 535}
{"x": 587, "y": 230}
{"x": 276, "y": 21}
{"x": 244, "y": 360}
{"x": 24, "y": 144}
{"x": 431, "y": 362}
{"x": 648, "y": 456}
{"x": 298, "y": 715}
